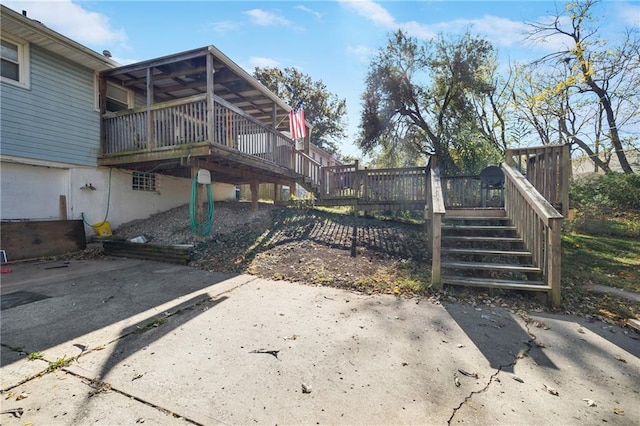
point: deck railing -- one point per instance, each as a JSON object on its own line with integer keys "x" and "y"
{"x": 339, "y": 181}
{"x": 548, "y": 168}
{"x": 187, "y": 121}
{"x": 538, "y": 223}
{"x": 434, "y": 215}
{"x": 307, "y": 166}
{"x": 373, "y": 185}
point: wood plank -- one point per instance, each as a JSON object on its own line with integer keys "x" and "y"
{"x": 478, "y": 228}
{"x": 491, "y": 283}
{"x": 483, "y": 239}
{"x": 486, "y": 252}
{"x": 30, "y": 239}
{"x": 491, "y": 266}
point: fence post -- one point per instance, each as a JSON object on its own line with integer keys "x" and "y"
{"x": 554, "y": 253}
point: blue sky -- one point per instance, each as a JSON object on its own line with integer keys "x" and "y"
{"x": 331, "y": 41}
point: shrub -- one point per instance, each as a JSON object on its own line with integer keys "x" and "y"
{"x": 607, "y": 193}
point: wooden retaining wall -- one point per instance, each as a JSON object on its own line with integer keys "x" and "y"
{"x": 31, "y": 239}
{"x": 171, "y": 254}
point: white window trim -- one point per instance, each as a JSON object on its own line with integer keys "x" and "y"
{"x": 96, "y": 93}
{"x": 23, "y": 63}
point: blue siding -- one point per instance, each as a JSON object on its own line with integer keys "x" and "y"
{"x": 55, "y": 119}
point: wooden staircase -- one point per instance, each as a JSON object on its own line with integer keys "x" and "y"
{"x": 480, "y": 248}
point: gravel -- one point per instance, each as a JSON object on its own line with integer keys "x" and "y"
{"x": 174, "y": 226}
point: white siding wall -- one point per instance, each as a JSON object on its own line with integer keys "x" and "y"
{"x": 32, "y": 192}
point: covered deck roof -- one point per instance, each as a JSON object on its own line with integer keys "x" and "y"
{"x": 182, "y": 75}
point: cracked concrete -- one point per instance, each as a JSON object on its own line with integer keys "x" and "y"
{"x": 166, "y": 344}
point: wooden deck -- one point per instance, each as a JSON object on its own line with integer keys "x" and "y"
{"x": 199, "y": 109}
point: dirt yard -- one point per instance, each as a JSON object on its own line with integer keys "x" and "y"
{"x": 317, "y": 248}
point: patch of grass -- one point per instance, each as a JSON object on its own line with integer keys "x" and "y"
{"x": 601, "y": 260}
{"x": 59, "y": 363}
{"x": 34, "y": 355}
{"x": 405, "y": 277}
{"x": 153, "y": 324}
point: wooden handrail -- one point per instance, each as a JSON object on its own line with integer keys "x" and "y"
{"x": 538, "y": 223}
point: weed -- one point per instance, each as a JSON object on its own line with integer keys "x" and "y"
{"x": 34, "y": 355}
{"x": 59, "y": 363}
{"x": 153, "y": 324}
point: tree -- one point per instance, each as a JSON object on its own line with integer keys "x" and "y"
{"x": 433, "y": 98}
{"x": 595, "y": 90}
{"x": 323, "y": 109}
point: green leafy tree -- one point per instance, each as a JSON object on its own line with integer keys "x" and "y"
{"x": 592, "y": 86}
{"x": 438, "y": 98}
{"x": 323, "y": 109}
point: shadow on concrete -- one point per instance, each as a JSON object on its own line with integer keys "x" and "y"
{"x": 497, "y": 335}
{"x": 86, "y": 296}
{"x": 625, "y": 339}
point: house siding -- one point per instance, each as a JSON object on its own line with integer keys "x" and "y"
{"x": 55, "y": 119}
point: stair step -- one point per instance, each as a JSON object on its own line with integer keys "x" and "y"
{"x": 493, "y": 283}
{"x": 478, "y": 218}
{"x": 484, "y": 213}
{"x": 485, "y": 252}
{"x": 491, "y": 266}
{"x": 479, "y": 227}
{"x": 482, "y": 239}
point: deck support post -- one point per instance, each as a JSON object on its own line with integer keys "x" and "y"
{"x": 254, "y": 195}
{"x": 277, "y": 193}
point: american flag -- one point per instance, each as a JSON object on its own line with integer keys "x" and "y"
{"x": 296, "y": 123}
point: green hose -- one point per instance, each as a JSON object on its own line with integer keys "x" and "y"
{"x": 201, "y": 228}
{"x": 106, "y": 215}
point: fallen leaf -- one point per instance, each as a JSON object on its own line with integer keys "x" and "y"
{"x": 466, "y": 373}
{"x": 551, "y": 390}
{"x": 618, "y": 411}
{"x": 22, "y": 396}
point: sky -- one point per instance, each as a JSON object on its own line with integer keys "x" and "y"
{"x": 332, "y": 41}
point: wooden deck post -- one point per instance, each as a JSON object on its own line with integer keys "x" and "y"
{"x": 554, "y": 254}
{"x": 210, "y": 102}
{"x": 436, "y": 244}
{"x": 151, "y": 128}
{"x": 277, "y": 193}
{"x": 565, "y": 174}
{"x": 254, "y": 195}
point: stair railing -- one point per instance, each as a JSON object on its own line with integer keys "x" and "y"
{"x": 434, "y": 215}
{"x": 538, "y": 223}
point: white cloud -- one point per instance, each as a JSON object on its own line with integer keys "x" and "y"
{"x": 382, "y": 18}
{"x": 72, "y": 20}
{"x": 265, "y": 19}
{"x": 225, "y": 26}
{"x": 363, "y": 53}
{"x": 629, "y": 14}
{"x": 318, "y": 15}
{"x": 256, "y": 61}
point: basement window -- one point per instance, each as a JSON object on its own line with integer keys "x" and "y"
{"x": 144, "y": 181}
